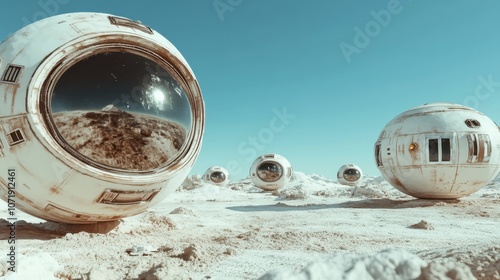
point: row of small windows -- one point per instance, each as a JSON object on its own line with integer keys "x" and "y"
{"x": 440, "y": 149}
{"x": 11, "y": 75}
{"x": 479, "y": 149}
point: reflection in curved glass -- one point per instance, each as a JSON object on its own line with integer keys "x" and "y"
{"x": 269, "y": 171}
{"x": 352, "y": 174}
{"x": 217, "y": 177}
{"x": 121, "y": 110}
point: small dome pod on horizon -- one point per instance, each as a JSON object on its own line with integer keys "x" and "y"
{"x": 439, "y": 151}
{"x": 349, "y": 174}
{"x": 270, "y": 172}
{"x": 216, "y": 175}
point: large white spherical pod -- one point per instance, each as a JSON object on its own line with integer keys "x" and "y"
{"x": 101, "y": 118}
{"x": 270, "y": 172}
{"x": 216, "y": 175}
{"x": 439, "y": 150}
{"x": 349, "y": 174}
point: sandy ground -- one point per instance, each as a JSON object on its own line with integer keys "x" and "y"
{"x": 313, "y": 228}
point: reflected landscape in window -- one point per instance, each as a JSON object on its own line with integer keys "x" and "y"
{"x": 352, "y": 175}
{"x": 269, "y": 171}
{"x": 122, "y": 110}
{"x": 217, "y": 177}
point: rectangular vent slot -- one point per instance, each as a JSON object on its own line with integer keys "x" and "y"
{"x": 15, "y": 137}
{"x": 11, "y": 74}
{"x": 130, "y": 23}
{"x": 64, "y": 213}
{"x": 127, "y": 197}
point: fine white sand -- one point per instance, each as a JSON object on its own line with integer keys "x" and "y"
{"x": 313, "y": 228}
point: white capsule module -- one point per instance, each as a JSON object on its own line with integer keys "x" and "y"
{"x": 100, "y": 118}
{"x": 270, "y": 172}
{"x": 439, "y": 150}
{"x": 349, "y": 174}
{"x": 216, "y": 175}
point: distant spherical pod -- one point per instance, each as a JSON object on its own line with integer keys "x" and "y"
{"x": 270, "y": 172}
{"x": 439, "y": 150}
{"x": 216, "y": 175}
{"x": 349, "y": 174}
{"x": 101, "y": 117}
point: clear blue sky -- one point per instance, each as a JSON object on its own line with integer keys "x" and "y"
{"x": 338, "y": 88}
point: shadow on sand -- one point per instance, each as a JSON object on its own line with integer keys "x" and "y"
{"x": 52, "y": 230}
{"x": 367, "y": 204}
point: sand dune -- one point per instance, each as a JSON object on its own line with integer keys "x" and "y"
{"x": 313, "y": 228}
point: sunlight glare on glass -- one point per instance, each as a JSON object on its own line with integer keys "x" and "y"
{"x": 158, "y": 98}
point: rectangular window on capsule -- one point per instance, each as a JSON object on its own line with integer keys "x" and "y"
{"x": 445, "y": 149}
{"x": 433, "y": 150}
{"x": 377, "y": 155}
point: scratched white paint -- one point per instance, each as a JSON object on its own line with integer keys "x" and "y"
{"x": 349, "y": 174}
{"x": 402, "y": 151}
{"x": 216, "y": 175}
{"x": 278, "y": 176}
{"x": 51, "y": 183}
